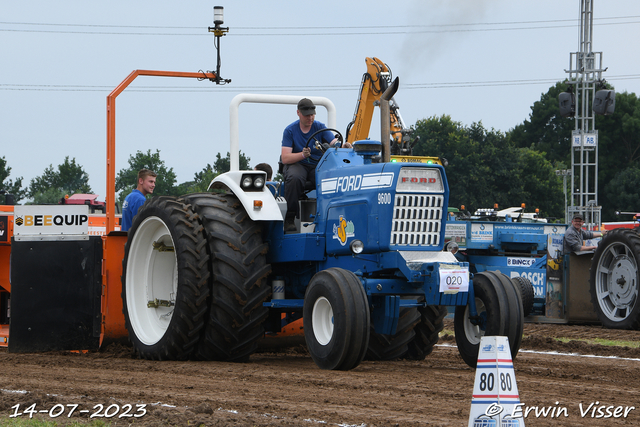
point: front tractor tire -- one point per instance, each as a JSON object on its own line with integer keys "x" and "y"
{"x": 336, "y": 319}
{"x": 614, "y": 280}
{"x": 165, "y": 280}
{"x": 499, "y": 308}
{"x": 239, "y": 270}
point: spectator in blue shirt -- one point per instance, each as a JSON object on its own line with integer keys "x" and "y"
{"x": 146, "y": 184}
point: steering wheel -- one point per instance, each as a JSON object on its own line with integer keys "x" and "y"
{"x": 318, "y": 144}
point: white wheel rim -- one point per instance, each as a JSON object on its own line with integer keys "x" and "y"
{"x": 616, "y": 283}
{"x": 151, "y": 275}
{"x": 473, "y": 332}
{"x": 322, "y": 320}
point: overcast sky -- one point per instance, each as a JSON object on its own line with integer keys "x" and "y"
{"x": 474, "y": 60}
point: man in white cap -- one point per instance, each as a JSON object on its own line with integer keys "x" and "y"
{"x": 575, "y": 236}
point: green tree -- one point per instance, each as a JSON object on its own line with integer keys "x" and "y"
{"x": 443, "y": 137}
{"x": 623, "y": 192}
{"x": 127, "y": 178}
{"x": 619, "y": 133}
{"x": 486, "y": 168}
{"x": 53, "y": 184}
{"x": 618, "y": 140}
{"x": 202, "y": 179}
{"x": 9, "y": 185}
{"x": 200, "y": 183}
{"x": 545, "y": 130}
{"x": 618, "y": 150}
{"x": 537, "y": 184}
{"x": 224, "y": 165}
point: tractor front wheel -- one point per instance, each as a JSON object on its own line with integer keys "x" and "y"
{"x": 336, "y": 319}
{"x": 499, "y": 312}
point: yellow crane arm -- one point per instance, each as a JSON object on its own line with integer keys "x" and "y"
{"x": 374, "y": 82}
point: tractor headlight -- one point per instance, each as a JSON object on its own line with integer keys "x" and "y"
{"x": 356, "y": 246}
{"x": 258, "y": 182}
{"x": 254, "y": 181}
{"x": 451, "y": 247}
{"x": 247, "y": 182}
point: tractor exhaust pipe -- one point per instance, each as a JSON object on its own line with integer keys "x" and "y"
{"x": 385, "y": 120}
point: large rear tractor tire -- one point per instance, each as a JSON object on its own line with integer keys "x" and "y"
{"x": 427, "y": 331}
{"x": 396, "y": 346}
{"x": 416, "y": 334}
{"x": 499, "y": 309}
{"x": 336, "y": 319}
{"x": 239, "y": 278}
{"x": 614, "y": 279}
{"x": 165, "y": 280}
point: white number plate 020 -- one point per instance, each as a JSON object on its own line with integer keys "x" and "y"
{"x": 453, "y": 279}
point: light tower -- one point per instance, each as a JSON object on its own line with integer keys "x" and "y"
{"x": 582, "y": 102}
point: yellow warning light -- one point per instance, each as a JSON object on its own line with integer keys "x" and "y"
{"x": 257, "y": 204}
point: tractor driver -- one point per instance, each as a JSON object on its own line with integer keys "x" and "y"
{"x": 300, "y": 161}
{"x": 575, "y": 236}
{"x": 146, "y": 184}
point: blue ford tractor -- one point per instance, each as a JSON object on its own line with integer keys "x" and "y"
{"x": 206, "y": 275}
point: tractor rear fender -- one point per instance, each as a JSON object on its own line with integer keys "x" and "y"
{"x": 258, "y": 201}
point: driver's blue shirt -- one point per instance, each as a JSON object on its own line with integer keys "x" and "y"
{"x": 293, "y": 137}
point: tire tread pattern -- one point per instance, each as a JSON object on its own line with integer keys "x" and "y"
{"x": 239, "y": 278}
{"x": 526, "y": 289}
{"x": 504, "y": 317}
{"x": 427, "y": 331}
{"x": 390, "y": 347}
{"x": 188, "y": 319}
{"x": 350, "y": 339}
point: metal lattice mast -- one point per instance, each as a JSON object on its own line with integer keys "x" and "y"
{"x": 585, "y": 71}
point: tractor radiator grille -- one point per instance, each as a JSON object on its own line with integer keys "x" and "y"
{"x": 417, "y": 220}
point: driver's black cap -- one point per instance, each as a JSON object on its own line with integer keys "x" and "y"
{"x": 306, "y": 107}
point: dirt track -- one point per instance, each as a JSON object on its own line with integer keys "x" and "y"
{"x": 288, "y": 389}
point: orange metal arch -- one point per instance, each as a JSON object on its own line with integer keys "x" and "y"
{"x": 113, "y": 324}
{"x": 111, "y": 130}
